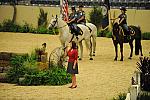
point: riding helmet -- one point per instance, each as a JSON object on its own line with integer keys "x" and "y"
{"x": 73, "y": 8}
{"x": 80, "y": 6}
{"x": 123, "y": 8}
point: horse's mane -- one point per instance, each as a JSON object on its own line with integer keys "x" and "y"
{"x": 115, "y": 28}
{"x": 62, "y": 21}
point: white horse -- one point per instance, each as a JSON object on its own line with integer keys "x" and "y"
{"x": 66, "y": 36}
{"x": 93, "y": 30}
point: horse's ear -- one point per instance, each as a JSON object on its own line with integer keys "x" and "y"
{"x": 56, "y": 16}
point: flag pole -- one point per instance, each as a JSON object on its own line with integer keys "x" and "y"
{"x": 60, "y": 8}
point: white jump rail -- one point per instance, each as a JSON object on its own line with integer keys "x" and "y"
{"x": 135, "y": 87}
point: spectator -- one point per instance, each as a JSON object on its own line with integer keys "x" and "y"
{"x": 72, "y": 68}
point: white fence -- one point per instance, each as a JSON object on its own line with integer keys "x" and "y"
{"x": 135, "y": 87}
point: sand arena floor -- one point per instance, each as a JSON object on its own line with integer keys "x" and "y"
{"x": 100, "y": 79}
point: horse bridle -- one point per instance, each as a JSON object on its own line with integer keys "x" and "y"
{"x": 56, "y": 21}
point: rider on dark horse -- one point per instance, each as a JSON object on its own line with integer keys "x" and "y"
{"x": 123, "y": 21}
{"x": 73, "y": 22}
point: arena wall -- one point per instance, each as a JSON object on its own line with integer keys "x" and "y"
{"x": 30, "y": 14}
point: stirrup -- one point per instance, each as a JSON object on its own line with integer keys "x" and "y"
{"x": 77, "y": 37}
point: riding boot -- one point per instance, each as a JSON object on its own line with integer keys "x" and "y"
{"x": 77, "y": 37}
{"x": 128, "y": 35}
{"x": 77, "y": 33}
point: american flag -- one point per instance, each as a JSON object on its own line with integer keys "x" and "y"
{"x": 65, "y": 10}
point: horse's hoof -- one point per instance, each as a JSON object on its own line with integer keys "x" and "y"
{"x": 93, "y": 54}
{"x": 130, "y": 58}
{"x": 115, "y": 59}
{"x": 80, "y": 58}
{"x": 91, "y": 58}
{"x": 121, "y": 59}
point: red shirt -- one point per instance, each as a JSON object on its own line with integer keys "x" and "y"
{"x": 73, "y": 55}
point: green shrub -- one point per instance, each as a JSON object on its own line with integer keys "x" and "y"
{"x": 103, "y": 33}
{"x": 9, "y": 26}
{"x": 24, "y": 29}
{"x": 17, "y": 70}
{"x": 121, "y": 96}
{"x": 1, "y": 27}
{"x": 56, "y": 31}
{"x": 24, "y": 71}
{"x": 51, "y": 31}
{"x": 41, "y": 30}
{"x": 59, "y": 76}
{"x": 54, "y": 76}
{"x": 96, "y": 16}
{"x": 42, "y": 20}
{"x": 146, "y": 36}
{"x": 20, "y": 65}
{"x": 144, "y": 95}
{"x": 109, "y": 34}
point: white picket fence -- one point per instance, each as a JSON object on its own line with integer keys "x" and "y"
{"x": 135, "y": 87}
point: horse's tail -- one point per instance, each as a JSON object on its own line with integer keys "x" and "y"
{"x": 138, "y": 44}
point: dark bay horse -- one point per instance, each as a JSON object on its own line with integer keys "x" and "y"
{"x": 119, "y": 37}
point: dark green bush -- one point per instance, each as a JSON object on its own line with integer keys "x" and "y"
{"x": 121, "y": 96}
{"x": 41, "y": 30}
{"x": 109, "y": 34}
{"x": 54, "y": 76}
{"x": 56, "y": 31}
{"x": 17, "y": 70}
{"x": 20, "y": 65}
{"x": 144, "y": 67}
{"x": 25, "y": 28}
{"x": 103, "y": 33}
{"x": 42, "y": 20}
{"x": 144, "y": 95}
{"x": 146, "y": 36}
{"x": 1, "y": 27}
{"x": 9, "y": 26}
{"x": 96, "y": 16}
{"x": 24, "y": 71}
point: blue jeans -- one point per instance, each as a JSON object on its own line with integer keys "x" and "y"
{"x": 125, "y": 27}
{"x": 74, "y": 29}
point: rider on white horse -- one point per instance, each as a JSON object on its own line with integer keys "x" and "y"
{"x": 81, "y": 16}
{"x": 73, "y": 22}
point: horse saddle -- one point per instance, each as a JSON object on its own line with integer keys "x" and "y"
{"x": 128, "y": 34}
{"x": 80, "y": 32}
{"x": 131, "y": 31}
{"x": 77, "y": 31}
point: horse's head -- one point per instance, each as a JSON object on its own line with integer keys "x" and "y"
{"x": 53, "y": 22}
